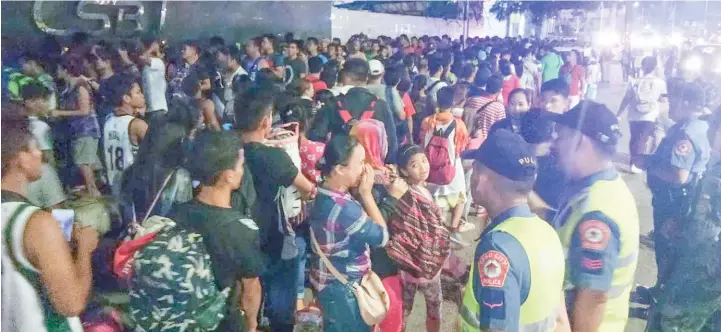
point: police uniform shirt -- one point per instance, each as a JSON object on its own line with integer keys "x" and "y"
{"x": 685, "y": 146}
{"x": 595, "y": 243}
{"x": 502, "y": 276}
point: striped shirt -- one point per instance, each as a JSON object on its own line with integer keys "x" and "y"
{"x": 480, "y": 123}
{"x": 344, "y": 233}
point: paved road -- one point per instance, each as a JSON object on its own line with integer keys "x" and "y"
{"x": 611, "y": 95}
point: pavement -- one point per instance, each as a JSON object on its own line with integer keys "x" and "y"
{"x": 611, "y": 95}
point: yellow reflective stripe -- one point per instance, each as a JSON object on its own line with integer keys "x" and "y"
{"x": 470, "y": 318}
{"x": 616, "y": 291}
{"x": 544, "y": 325}
{"x": 628, "y": 260}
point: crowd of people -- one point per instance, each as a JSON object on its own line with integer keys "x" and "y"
{"x": 240, "y": 176}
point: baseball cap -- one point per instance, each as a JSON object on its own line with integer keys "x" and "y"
{"x": 211, "y": 153}
{"x": 592, "y": 119}
{"x": 376, "y": 67}
{"x": 507, "y": 154}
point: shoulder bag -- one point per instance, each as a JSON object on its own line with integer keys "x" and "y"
{"x": 372, "y": 297}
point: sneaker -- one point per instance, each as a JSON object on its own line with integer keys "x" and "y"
{"x": 458, "y": 239}
{"x": 640, "y": 313}
{"x": 635, "y": 170}
{"x": 641, "y": 295}
{"x": 465, "y": 226}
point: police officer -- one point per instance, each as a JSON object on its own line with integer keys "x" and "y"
{"x": 516, "y": 248}
{"x": 597, "y": 220}
{"x": 691, "y": 298}
{"x": 674, "y": 171}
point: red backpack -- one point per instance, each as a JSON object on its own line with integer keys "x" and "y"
{"x": 348, "y": 120}
{"x": 442, "y": 162}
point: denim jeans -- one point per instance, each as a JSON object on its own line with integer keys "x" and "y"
{"x": 279, "y": 287}
{"x": 340, "y": 309}
{"x": 302, "y": 245}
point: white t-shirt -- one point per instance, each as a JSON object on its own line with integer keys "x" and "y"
{"x": 154, "y": 85}
{"x": 658, "y": 88}
{"x": 41, "y": 131}
{"x": 228, "y": 94}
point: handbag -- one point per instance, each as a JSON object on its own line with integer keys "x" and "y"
{"x": 373, "y": 300}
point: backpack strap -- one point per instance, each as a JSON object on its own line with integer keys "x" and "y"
{"x": 447, "y": 133}
{"x": 344, "y": 113}
{"x": 347, "y": 117}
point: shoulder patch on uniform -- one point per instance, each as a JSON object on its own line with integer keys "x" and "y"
{"x": 594, "y": 234}
{"x": 249, "y": 223}
{"x": 683, "y": 147}
{"x": 493, "y": 267}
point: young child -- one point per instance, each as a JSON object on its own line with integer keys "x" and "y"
{"x": 47, "y": 191}
{"x": 450, "y": 197}
{"x": 417, "y": 207}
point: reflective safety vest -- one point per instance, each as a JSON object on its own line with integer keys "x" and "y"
{"x": 612, "y": 198}
{"x": 545, "y": 257}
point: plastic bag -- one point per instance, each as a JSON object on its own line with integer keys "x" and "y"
{"x": 310, "y": 319}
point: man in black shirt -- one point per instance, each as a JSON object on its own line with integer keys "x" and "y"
{"x": 272, "y": 170}
{"x": 217, "y": 160}
{"x": 357, "y": 100}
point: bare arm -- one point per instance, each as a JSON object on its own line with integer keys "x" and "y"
{"x": 138, "y": 128}
{"x": 67, "y": 280}
{"x": 250, "y": 301}
{"x": 305, "y": 187}
{"x": 588, "y": 310}
{"x": 83, "y": 105}
{"x": 562, "y": 323}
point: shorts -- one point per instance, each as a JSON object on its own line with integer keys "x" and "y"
{"x": 450, "y": 201}
{"x": 85, "y": 151}
{"x": 47, "y": 190}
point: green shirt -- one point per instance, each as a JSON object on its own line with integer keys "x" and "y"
{"x": 552, "y": 63}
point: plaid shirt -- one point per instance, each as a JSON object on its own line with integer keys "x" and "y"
{"x": 344, "y": 232}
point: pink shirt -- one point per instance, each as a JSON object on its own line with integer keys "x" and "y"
{"x": 310, "y": 153}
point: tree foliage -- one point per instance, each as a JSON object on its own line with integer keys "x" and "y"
{"x": 539, "y": 10}
{"x": 454, "y": 9}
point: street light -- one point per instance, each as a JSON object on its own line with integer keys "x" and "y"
{"x": 636, "y": 4}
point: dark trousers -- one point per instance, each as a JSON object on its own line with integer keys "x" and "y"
{"x": 641, "y": 133}
{"x": 667, "y": 226}
{"x": 279, "y": 285}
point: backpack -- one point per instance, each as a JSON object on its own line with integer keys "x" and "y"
{"x": 286, "y": 138}
{"x": 440, "y": 157}
{"x": 646, "y": 99}
{"x": 347, "y": 117}
{"x": 419, "y": 241}
{"x": 173, "y": 285}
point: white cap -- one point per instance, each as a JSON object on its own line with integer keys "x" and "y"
{"x": 376, "y": 67}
